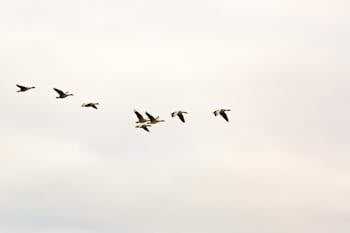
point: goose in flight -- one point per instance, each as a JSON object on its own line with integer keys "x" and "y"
{"x": 23, "y": 88}
{"x": 179, "y": 114}
{"x": 153, "y": 120}
{"x": 222, "y": 112}
{"x": 140, "y": 118}
{"x": 143, "y": 126}
{"x": 62, "y": 94}
{"x": 92, "y": 105}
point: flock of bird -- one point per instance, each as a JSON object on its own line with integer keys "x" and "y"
{"x": 142, "y": 123}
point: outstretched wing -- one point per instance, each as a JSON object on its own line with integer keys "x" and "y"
{"x": 19, "y": 86}
{"x": 150, "y": 116}
{"x": 139, "y": 116}
{"x": 181, "y": 116}
{"x": 59, "y": 91}
{"x": 94, "y": 106}
{"x": 145, "y": 128}
{"x": 223, "y": 114}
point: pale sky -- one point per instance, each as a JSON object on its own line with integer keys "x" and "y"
{"x": 280, "y": 166}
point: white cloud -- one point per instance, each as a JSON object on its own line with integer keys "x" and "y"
{"x": 280, "y": 165}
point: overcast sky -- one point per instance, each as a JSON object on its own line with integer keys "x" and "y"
{"x": 280, "y": 165}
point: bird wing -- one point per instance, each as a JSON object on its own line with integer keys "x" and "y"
{"x": 59, "y": 91}
{"x": 216, "y": 112}
{"x": 181, "y": 117}
{"x": 150, "y": 116}
{"x": 139, "y": 116}
{"x": 94, "y": 106}
{"x": 173, "y": 114}
{"x": 145, "y": 128}
{"x": 223, "y": 114}
{"x": 19, "y": 86}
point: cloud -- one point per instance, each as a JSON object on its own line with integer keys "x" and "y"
{"x": 280, "y": 165}
{"x": 50, "y": 184}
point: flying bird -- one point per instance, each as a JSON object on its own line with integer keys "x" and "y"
{"x": 153, "y": 120}
{"x": 23, "y": 88}
{"x": 222, "y": 112}
{"x": 91, "y": 105}
{"x": 140, "y": 118}
{"x": 144, "y": 126}
{"x": 62, "y": 94}
{"x": 179, "y": 114}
